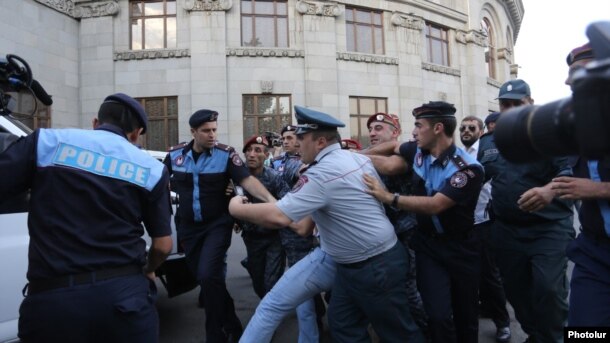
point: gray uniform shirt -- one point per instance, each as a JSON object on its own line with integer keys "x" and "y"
{"x": 352, "y": 224}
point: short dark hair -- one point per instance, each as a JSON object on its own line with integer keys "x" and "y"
{"x": 449, "y": 124}
{"x": 474, "y": 118}
{"x": 117, "y": 114}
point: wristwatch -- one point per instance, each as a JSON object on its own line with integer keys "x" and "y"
{"x": 394, "y": 204}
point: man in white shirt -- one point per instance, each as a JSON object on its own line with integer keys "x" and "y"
{"x": 491, "y": 292}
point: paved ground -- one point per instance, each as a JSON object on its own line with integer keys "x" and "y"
{"x": 183, "y": 322}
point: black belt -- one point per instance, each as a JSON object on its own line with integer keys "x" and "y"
{"x": 36, "y": 286}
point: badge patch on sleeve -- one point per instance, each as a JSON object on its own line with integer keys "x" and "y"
{"x": 459, "y": 180}
{"x": 300, "y": 183}
{"x": 419, "y": 159}
{"x": 237, "y": 160}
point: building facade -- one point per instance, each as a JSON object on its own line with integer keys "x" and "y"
{"x": 252, "y": 60}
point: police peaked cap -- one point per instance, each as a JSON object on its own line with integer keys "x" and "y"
{"x": 435, "y": 109}
{"x": 133, "y": 105}
{"x": 310, "y": 120}
{"x": 492, "y": 118}
{"x": 202, "y": 116}
{"x": 255, "y": 140}
{"x": 514, "y": 89}
{"x": 288, "y": 128}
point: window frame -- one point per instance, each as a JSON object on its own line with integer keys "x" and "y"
{"x": 143, "y": 17}
{"x": 491, "y": 54}
{"x": 444, "y": 39}
{"x": 274, "y": 16}
{"x": 353, "y": 24}
{"x": 166, "y": 117}
{"x": 277, "y": 115}
{"x": 362, "y": 135}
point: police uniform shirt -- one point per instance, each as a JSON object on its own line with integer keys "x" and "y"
{"x": 454, "y": 174}
{"x": 90, "y": 192}
{"x": 273, "y": 181}
{"x": 289, "y": 166}
{"x": 594, "y": 214}
{"x": 201, "y": 184}
{"x": 510, "y": 180}
{"x": 352, "y": 223}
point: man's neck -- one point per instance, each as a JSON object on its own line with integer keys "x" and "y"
{"x": 442, "y": 144}
{"x": 256, "y": 171}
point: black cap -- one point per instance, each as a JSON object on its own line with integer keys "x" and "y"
{"x": 434, "y": 109}
{"x": 310, "y": 120}
{"x": 514, "y": 90}
{"x": 134, "y": 107}
{"x": 492, "y": 118}
{"x": 202, "y": 116}
{"x": 288, "y": 128}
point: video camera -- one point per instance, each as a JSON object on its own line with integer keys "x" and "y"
{"x": 16, "y": 75}
{"x": 579, "y": 125}
{"x": 274, "y": 139}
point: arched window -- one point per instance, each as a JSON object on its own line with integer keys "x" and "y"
{"x": 509, "y": 40}
{"x": 490, "y": 50}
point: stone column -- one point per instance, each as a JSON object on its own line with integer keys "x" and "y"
{"x": 474, "y": 78}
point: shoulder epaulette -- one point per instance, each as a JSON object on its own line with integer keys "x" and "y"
{"x": 224, "y": 147}
{"x": 459, "y": 162}
{"x": 178, "y": 146}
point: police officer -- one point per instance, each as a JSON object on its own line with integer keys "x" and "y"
{"x": 386, "y": 128}
{"x": 531, "y": 230}
{"x": 200, "y": 171}
{"x": 309, "y": 313}
{"x": 447, "y": 186}
{"x": 490, "y": 122}
{"x": 590, "y": 251}
{"x": 87, "y": 258}
{"x": 266, "y": 258}
{"x": 353, "y": 230}
{"x": 491, "y": 292}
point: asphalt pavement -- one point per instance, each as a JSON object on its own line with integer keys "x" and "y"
{"x": 182, "y": 321}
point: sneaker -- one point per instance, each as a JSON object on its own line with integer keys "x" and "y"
{"x": 503, "y": 334}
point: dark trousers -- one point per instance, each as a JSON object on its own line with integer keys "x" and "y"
{"x": 266, "y": 260}
{"x": 416, "y": 305}
{"x": 590, "y": 282}
{"x": 121, "y": 309}
{"x": 448, "y": 280}
{"x": 491, "y": 289}
{"x": 533, "y": 263}
{"x": 373, "y": 291}
{"x": 205, "y": 247}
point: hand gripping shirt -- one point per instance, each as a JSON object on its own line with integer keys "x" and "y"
{"x": 353, "y": 226}
{"x": 91, "y": 190}
{"x": 201, "y": 185}
{"x": 454, "y": 174}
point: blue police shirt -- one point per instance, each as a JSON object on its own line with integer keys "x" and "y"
{"x": 289, "y": 166}
{"x": 454, "y": 174}
{"x": 201, "y": 185}
{"x": 90, "y": 192}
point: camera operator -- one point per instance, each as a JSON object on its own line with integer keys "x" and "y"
{"x": 531, "y": 230}
{"x": 590, "y": 252}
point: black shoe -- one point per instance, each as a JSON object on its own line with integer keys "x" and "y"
{"x": 503, "y": 334}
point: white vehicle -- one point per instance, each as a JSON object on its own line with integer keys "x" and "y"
{"x": 14, "y": 240}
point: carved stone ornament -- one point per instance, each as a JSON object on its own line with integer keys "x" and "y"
{"x": 85, "y": 10}
{"x": 208, "y": 5}
{"x": 150, "y": 54}
{"x": 472, "y": 36}
{"x": 317, "y": 8}
{"x": 440, "y": 69}
{"x": 266, "y": 87}
{"x": 505, "y": 54}
{"x": 409, "y": 21}
{"x": 493, "y": 82}
{"x": 514, "y": 70}
{"x": 357, "y": 57}
{"x": 264, "y": 52}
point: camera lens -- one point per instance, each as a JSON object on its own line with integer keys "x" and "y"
{"x": 527, "y": 133}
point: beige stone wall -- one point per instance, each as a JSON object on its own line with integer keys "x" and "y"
{"x": 81, "y": 54}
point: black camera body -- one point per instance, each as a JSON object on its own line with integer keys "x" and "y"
{"x": 274, "y": 139}
{"x": 578, "y": 125}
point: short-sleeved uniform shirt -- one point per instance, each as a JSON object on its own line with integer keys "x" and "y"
{"x": 510, "y": 180}
{"x": 201, "y": 184}
{"x": 352, "y": 224}
{"x": 454, "y": 174}
{"x": 90, "y": 192}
